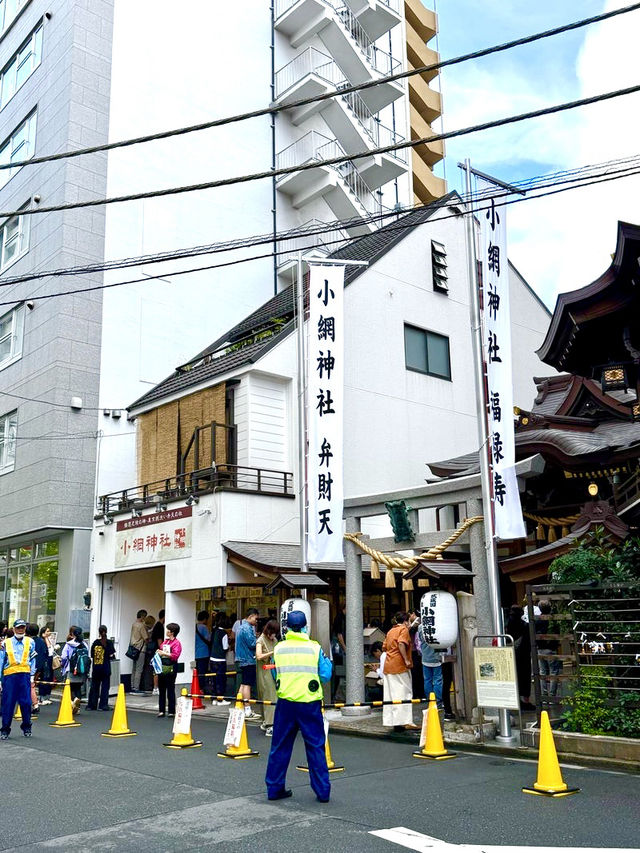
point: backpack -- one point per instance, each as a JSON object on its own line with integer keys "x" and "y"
{"x": 79, "y": 662}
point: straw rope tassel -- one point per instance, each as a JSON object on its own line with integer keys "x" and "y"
{"x": 389, "y": 578}
{"x": 375, "y": 570}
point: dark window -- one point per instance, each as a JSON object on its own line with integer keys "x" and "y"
{"x": 427, "y": 352}
{"x": 439, "y": 267}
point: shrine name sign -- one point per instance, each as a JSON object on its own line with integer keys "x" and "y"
{"x": 154, "y": 538}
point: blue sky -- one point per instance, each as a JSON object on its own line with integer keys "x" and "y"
{"x": 588, "y": 61}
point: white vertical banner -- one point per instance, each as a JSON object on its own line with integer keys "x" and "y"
{"x": 509, "y": 523}
{"x": 325, "y": 394}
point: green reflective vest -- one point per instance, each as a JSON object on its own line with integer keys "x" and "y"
{"x": 296, "y": 660}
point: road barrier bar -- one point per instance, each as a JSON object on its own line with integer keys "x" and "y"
{"x": 375, "y": 704}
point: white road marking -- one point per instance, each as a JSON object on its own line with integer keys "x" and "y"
{"x": 428, "y": 844}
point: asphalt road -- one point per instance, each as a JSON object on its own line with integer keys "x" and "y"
{"x": 71, "y": 789}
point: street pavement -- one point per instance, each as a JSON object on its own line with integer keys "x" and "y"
{"x": 71, "y": 789}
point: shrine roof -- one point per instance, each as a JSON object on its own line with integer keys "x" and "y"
{"x": 588, "y": 325}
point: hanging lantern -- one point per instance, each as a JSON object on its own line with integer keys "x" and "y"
{"x": 439, "y": 619}
{"x": 614, "y": 378}
{"x": 635, "y": 412}
{"x": 375, "y": 570}
{"x": 293, "y": 604}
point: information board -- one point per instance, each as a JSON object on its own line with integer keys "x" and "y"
{"x": 496, "y": 679}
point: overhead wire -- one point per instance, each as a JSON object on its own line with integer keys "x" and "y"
{"x": 575, "y": 183}
{"x": 329, "y": 161}
{"x": 276, "y": 108}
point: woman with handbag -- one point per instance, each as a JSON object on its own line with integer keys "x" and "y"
{"x": 170, "y": 652}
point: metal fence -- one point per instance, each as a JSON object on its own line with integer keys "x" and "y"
{"x": 591, "y": 630}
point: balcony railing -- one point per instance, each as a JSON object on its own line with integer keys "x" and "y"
{"x": 330, "y": 240}
{"x": 379, "y": 134}
{"x": 310, "y": 61}
{"x": 220, "y": 477}
{"x": 378, "y": 58}
{"x": 315, "y": 146}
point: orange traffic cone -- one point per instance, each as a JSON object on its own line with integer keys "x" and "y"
{"x": 183, "y": 740}
{"x": 196, "y": 694}
{"x": 119, "y": 724}
{"x": 242, "y": 750}
{"x": 549, "y": 782}
{"x": 434, "y": 745}
{"x": 332, "y": 767}
{"x": 65, "y": 714}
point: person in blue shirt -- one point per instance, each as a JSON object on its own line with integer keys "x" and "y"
{"x": 17, "y": 668}
{"x": 203, "y": 650}
{"x": 246, "y": 657}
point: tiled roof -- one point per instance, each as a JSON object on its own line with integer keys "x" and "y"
{"x": 278, "y": 556}
{"x": 370, "y": 247}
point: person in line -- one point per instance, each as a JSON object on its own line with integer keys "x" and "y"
{"x": 138, "y": 639}
{"x": 155, "y": 641}
{"x": 45, "y": 668}
{"x": 301, "y": 666}
{"x": 17, "y": 668}
{"x": 519, "y": 630}
{"x": 218, "y": 658}
{"x": 431, "y": 665}
{"x": 417, "y": 682}
{"x": 338, "y": 651}
{"x": 203, "y": 650}
{"x": 147, "y": 680}
{"x": 102, "y": 653}
{"x": 246, "y": 658}
{"x": 170, "y": 652}
{"x": 265, "y": 645}
{"x": 396, "y": 681}
{"x": 72, "y": 668}
{"x": 32, "y": 633}
{"x": 548, "y": 662}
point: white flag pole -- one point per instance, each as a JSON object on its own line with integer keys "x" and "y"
{"x": 504, "y": 726}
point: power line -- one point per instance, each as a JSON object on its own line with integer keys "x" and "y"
{"x": 573, "y": 184}
{"x": 244, "y": 242}
{"x": 273, "y": 110}
{"x": 331, "y": 161}
{"x": 59, "y": 405}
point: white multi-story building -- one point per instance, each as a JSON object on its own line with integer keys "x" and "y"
{"x": 76, "y": 74}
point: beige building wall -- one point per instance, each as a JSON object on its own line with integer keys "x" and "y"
{"x": 425, "y": 102}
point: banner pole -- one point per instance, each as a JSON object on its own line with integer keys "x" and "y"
{"x": 302, "y": 421}
{"x": 504, "y": 726}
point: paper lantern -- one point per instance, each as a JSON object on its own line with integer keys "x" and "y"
{"x": 294, "y": 604}
{"x": 439, "y": 619}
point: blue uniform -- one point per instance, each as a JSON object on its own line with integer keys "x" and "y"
{"x": 290, "y": 718}
{"x": 16, "y": 687}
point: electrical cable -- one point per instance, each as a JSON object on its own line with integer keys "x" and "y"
{"x": 330, "y": 161}
{"x": 271, "y": 110}
{"x": 530, "y": 183}
{"x": 604, "y": 178}
{"x": 61, "y": 405}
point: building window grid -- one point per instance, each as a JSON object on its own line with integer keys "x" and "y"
{"x": 439, "y": 267}
{"x": 21, "y": 66}
{"x": 8, "y": 436}
{"x": 28, "y": 582}
{"x": 427, "y": 352}
{"x": 20, "y": 146}
{"x": 9, "y": 11}
{"x": 11, "y": 331}
{"x": 14, "y": 239}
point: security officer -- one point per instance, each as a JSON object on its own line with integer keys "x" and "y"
{"x": 17, "y": 667}
{"x": 300, "y": 667}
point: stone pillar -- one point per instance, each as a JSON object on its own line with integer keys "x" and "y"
{"x": 478, "y": 554}
{"x": 463, "y": 668}
{"x": 354, "y": 657}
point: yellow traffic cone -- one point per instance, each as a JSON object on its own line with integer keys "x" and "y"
{"x": 181, "y": 740}
{"x": 549, "y": 782}
{"x": 65, "y": 714}
{"x": 434, "y": 745}
{"x": 243, "y": 750}
{"x": 18, "y": 713}
{"x": 119, "y": 724}
{"x": 332, "y": 767}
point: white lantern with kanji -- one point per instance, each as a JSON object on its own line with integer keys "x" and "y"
{"x": 439, "y": 619}
{"x": 294, "y": 604}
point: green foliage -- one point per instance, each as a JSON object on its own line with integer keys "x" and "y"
{"x": 591, "y": 710}
{"x": 595, "y": 557}
{"x": 275, "y": 326}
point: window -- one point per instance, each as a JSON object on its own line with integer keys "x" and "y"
{"x": 439, "y": 267}
{"x": 19, "y": 146}
{"x": 8, "y": 430}
{"x": 427, "y": 352}
{"x": 21, "y": 66}
{"x": 9, "y": 11}
{"x": 29, "y": 581}
{"x": 14, "y": 239}
{"x": 11, "y": 326}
